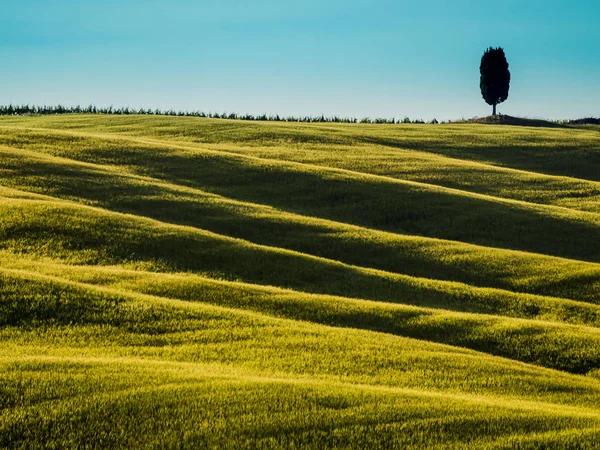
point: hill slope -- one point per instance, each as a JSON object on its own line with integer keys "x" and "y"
{"x": 182, "y": 282}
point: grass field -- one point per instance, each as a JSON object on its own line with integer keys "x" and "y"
{"x": 172, "y": 282}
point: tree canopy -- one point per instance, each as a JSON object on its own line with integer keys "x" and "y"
{"x": 495, "y": 77}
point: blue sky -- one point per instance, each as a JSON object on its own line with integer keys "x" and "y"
{"x": 349, "y": 58}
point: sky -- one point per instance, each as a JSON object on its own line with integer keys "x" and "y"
{"x": 334, "y": 57}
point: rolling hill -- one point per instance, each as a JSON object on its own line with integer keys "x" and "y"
{"x": 173, "y": 282}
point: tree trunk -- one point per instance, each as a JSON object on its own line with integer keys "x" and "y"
{"x": 494, "y": 109}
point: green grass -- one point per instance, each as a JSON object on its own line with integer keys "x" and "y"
{"x": 196, "y": 283}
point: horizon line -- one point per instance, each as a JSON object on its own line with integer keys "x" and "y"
{"x": 58, "y": 109}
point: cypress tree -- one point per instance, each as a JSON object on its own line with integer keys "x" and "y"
{"x": 495, "y": 77}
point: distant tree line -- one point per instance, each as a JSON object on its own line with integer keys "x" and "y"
{"x": 23, "y": 110}
{"x": 28, "y": 110}
{"x": 585, "y": 121}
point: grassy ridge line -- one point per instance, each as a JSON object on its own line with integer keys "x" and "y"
{"x": 186, "y": 371}
{"x": 462, "y": 174}
{"x": 440, "y": 212}
{"x": 116, "y": 189}
{"x": 209, "y": 414}
{"x": 559, "y": 210}
{"x": 539, "y": 150}
{"x": 574, "y": 349}
{"x": 7, "y": 192}
{"x": 87, "y": 235}
{"x": 182, "y": 145}
{"x": 117, "y": 323}
{"x": 436, "y": 295}
{"x": 413, "y": 165}
{"x": 571, "y": 152}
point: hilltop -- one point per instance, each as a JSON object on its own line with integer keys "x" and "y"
{"x": 503, "y": 119}
{"x": 194, "y": 282}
